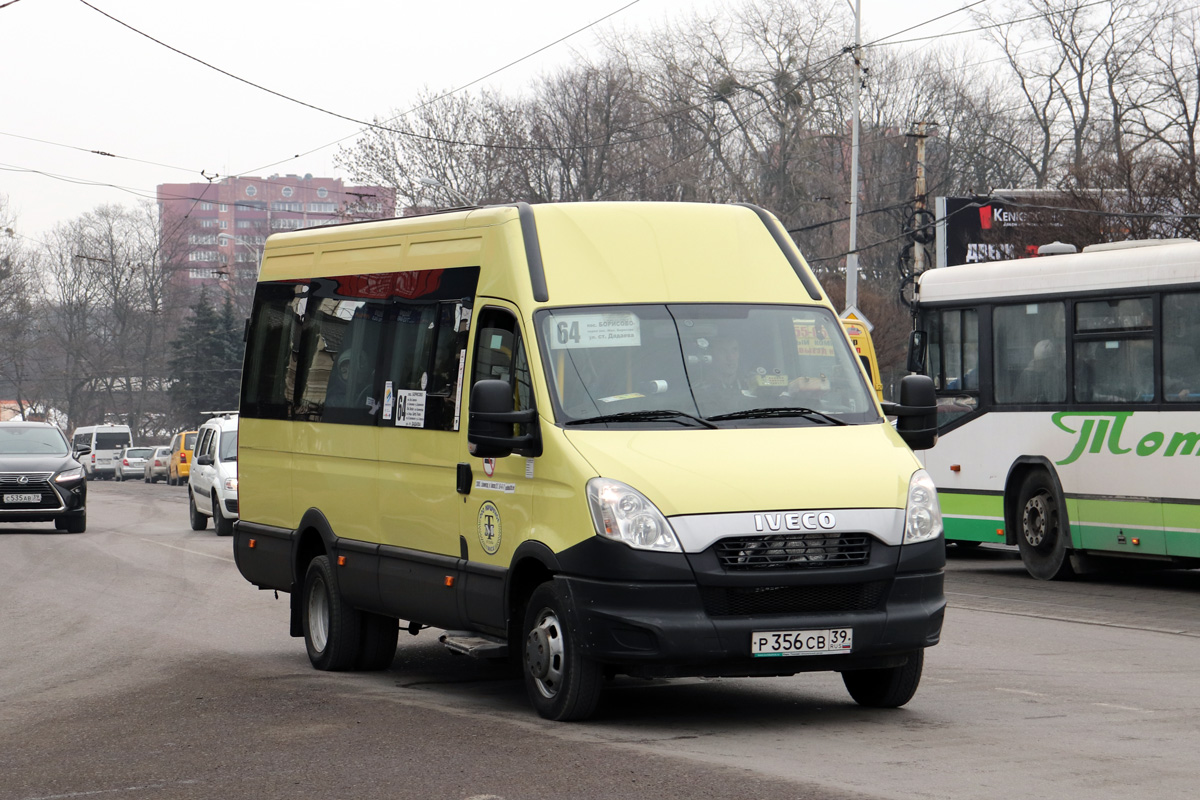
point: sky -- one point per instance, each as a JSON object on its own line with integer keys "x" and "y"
{"x": 78, "y": 84}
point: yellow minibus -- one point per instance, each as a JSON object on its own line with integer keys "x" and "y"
{"x": 596, "y": 438}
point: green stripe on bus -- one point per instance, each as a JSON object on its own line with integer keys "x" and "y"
{"x": 972, "y": 517}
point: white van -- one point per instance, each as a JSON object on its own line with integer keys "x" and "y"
{"x": 107, "y": 442}
{"x": 213, "y": 479}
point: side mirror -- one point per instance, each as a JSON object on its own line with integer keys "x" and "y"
{"x": 916, "y": 352}
{"x": 204, "y": 461}
{"x": 916, "y": 414}
{"x": 491, "y": 419}
{"x": 82, "y": 450}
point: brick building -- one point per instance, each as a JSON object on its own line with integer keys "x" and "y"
{"x": 217, "y": 230}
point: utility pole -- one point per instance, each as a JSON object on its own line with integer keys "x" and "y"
{"x": 852, "y": 256}
{"x": 920, "y": 212}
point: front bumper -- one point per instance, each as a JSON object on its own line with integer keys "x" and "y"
{"x": 57, "y": 499}
{"x": 704, "y": 626}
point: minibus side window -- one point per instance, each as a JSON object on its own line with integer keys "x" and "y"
{"x": 427, "y": 346}
{"x": 339, "y": 348}
{"x": 500, "y": 354}
{"x": 270, "y": 370}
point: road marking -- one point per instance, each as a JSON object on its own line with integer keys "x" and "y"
{"x": 98, "y": 792}
{"x": 175, "y": 547}
{"x": 1124, "y": 708}
{"x": 1019, "y": 691}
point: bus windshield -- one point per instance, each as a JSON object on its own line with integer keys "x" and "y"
{"x": 748, "y": 365}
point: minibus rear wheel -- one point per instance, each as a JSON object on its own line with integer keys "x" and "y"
{"x": 331, "y": 626}
{"x": 562, "y": 683}
{"x": 890, "y": 687}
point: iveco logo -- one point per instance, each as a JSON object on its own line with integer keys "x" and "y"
{"x": 795, "y": 521}
{"x": 23, "y": 479}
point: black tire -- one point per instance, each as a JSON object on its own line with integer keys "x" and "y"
{"x": 77, "y": 522}
{"x": 222, "y": 523}
{"x": 198, "y": 520}
{"x": 562, "y": 683}
{"x": 377, "y": 643}
{"x": 890, "y": 687}
{"x": 332, "y": 629}
{"x": 1043, "y": 535}
{"x": 145, "y": 479}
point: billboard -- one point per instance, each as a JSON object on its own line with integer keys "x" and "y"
{"x": 971, "y": 230}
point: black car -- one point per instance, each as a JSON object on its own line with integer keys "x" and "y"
{"x": 40, "y": 480}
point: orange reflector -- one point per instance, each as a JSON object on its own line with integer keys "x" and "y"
{"x": 956, "y": 468}
{"x": 1136, "y": 541}
{"x": 341, "y": 561}
{"x": 251, "y": 543}
{"x": 449, "y": 580}
{"x": 999, "y": 531}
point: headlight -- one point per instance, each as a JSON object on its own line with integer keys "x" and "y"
{"x": 922, "y": 515}
{"x": 231, "y": 484}
{"x": 623, "y": 513}
{"x": 69, "y": 475}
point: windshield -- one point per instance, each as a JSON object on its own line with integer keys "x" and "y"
{"x": 743, "y": 365}
{"x": 20, "y": 441}
{"x": 228, "y": 446}
{"x": 138, "y": 452}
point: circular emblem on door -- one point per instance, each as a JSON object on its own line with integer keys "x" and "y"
{"x": 488, "y": 526}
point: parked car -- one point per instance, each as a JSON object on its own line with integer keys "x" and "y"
{"x": 157, "y": 465}
{"x": 213, "y": 480}
{"x": 182, "y": 446}
{"x": 105, "y": 443}
{"x": 40, "y": 478}
{"x": 132, "y": 462}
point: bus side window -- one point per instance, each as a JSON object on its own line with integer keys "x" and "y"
{"x": 1181, "y": 361}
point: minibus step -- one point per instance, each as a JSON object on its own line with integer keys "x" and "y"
{"x": 475, "y": 645}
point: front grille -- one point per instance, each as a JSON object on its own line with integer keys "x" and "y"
{"x": 35, "y": 483}
{"x": 740, "y": 601}
{"x": 790, "y": 551}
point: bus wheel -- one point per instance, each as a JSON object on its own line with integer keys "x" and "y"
{"x": 377, "y": 645}
{"x": 562, "y": 683}
{"x": 1042, "y": 535}
{"x": 331, "y": 627}
{"x": 890, "y": 687}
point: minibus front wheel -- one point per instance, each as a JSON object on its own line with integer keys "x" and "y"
{"x": 562, "y": 683}
{"x": 890, "y": 687}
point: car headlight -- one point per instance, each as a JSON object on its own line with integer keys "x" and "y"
{"x": 231, "y": 484}
{"x": 69, "y": 475}
{"x": 623, "y": 513}
{"x": 922, "y": 514}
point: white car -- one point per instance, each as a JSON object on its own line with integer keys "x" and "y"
{"x": 213, "y": 481}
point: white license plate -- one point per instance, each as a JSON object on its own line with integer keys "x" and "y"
{"x": 22, "y": 498}
{"x": 801, "y": 643}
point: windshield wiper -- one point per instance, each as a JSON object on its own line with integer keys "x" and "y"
{"x": 644, "y": 416}
{"x": 791, "y": 411}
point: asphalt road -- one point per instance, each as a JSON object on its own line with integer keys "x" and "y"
{"x": 137, "y": 663}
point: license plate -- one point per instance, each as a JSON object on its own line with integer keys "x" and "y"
{"x": 22, "y": 498}
{"x": 801, "y": 643}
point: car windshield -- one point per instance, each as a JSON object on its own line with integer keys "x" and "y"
{"x": 21, "y": 441}
{"x": 733, "y": 365}
{"x": 229, "y": 445}
{"x": 189, "y": 441}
